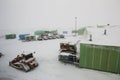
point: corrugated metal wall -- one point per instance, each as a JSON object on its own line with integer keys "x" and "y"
{"x": 105, "y": 58}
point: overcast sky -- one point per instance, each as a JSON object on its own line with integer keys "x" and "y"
{"x": 38, "y": 14}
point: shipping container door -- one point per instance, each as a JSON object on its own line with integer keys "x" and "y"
{"x": 89, "y": 56}
{"x": 96, "y": 63}
{"x": 119, "y": 63}
{"x": 104, "y": 59}
{"x": 112, "y": 61}
{"x": 82, "y": 55}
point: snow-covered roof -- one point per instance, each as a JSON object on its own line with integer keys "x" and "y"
{"x": 98, "y": 37}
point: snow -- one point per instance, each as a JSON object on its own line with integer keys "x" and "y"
{"x": 65, "y": 53}
{"x": 49, "y": 68}
{"x": 111, "y": 38}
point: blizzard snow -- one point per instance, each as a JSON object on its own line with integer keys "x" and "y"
{"x": 49, "y": 68}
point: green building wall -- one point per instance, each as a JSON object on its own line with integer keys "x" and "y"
{"x": 81, "y": 31}
{"x": 104, "y": 58}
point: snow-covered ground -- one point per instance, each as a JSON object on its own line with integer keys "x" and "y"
{"x": 49, "y": 67}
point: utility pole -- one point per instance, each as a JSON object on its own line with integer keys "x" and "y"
{"x": 75, "y": 26}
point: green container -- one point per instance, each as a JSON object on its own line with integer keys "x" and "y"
{"x": 96, "y": 57}
{"x": 118, "y": 69}
{"x": 39, "y": 32}
{"x": 104, "y": 59}
{"x": 99, "y": 57}
{"x": 89, "y": 57}
{"x": 82, "y": 55}
{"x": 10, "y": 36}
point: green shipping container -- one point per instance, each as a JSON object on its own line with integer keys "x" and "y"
{"x": 10, "y": 36}
{"x": 118, "y": 68}
{"x": 104, "y": 59}
{"x": 99, "y": 57}
{"x": 39, "y": 32}
{"x": 89, "y": 57}
{"x": 96, "y": 57}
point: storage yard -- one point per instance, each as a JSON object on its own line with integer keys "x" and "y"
{"x": 59, "y": 40}
{"x": 50, "y": 68}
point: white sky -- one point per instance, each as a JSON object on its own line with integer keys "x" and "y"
{"x": 38, "y": 14}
